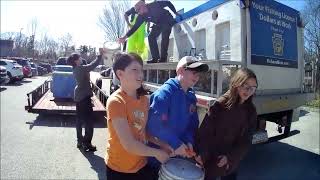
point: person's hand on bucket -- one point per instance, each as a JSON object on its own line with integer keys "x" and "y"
{"x": 181, "y": 151}
{"x": 223, "y": 161}
{"x": 199, "y": 159}
{"x": 189, "y": 150}
{"x": 161, "y": 156}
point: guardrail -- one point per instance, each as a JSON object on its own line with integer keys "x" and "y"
{"x": 100, "y": 94}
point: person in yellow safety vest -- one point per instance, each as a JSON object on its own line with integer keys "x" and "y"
{"x": 136, "y": 43}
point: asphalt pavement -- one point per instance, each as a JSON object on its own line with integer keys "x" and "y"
{"x": 44, "y": 147}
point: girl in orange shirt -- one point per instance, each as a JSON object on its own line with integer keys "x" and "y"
{"x": 127, "y": 111}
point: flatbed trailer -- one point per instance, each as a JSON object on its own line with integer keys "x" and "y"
{"x": 41, "y": 101}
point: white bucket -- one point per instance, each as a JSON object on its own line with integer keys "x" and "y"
{"x": 180, "y": 169}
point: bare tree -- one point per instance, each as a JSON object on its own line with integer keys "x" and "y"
{"x": 33, "y": 28}
{"x": 311, "y": 16}
{"x": 65, "y": 43}
{"x": 8, "y": 35}
{"x": 53, "y": 47}
{"x": 43, "y": 45}
{"x": 112, "y": 21}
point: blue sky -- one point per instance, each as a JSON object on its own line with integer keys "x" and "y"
{"x": 79, "y": 18}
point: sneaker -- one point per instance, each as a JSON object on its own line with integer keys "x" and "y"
{"x": 152, "y": 61}
{"x": 89, "y": 147}
{"x": 79, "y": 145}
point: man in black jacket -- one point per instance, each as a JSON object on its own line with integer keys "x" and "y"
{"x": 162, "y": 23}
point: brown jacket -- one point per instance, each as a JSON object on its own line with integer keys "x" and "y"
{"x": 225, "y": 132}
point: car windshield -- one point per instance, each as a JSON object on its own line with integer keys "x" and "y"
{"x": 62, "y": 61}
{"x": 33, "y": 65}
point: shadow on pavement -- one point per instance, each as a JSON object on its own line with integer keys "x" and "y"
{"x": 97, "y": 163}
{"x": 2, "y": 89}
{"x": 33, "y": 77}
{"x": 303, "y": 112}
{"x": 279, "y": 161}
{"x": 63, "y": 121}
{"x": 18, "y": 83}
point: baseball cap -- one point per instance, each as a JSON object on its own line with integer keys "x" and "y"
{"x": 191, "y": 63}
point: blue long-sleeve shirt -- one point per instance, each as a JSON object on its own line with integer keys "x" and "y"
{"x": 173, "y": 116}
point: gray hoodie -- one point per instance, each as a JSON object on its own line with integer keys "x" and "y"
{"x": 82, "y": 76}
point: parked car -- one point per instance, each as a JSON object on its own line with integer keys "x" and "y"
{"x": 42, "y": 70}
{"x": 62, "y": 61}
{"x": 34, "y": 69}
{"x": 100, "y": 68}
{"x": 4, "y": 79}
{"x": 14, "y": 70}
{"x": 26, "y": 66}
{"x": 47, "y": 66}
{"x": 63, "y": 68}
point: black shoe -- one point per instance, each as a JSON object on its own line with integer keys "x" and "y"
{"x": 162, "y": 60}
{"x": 79, "y": 145}
{"x": 152, "y": 61}
{"x": 89, "y": 147}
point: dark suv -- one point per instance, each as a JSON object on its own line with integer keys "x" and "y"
{"x": 62, "y": 61}
{"x": 47, "y": 66}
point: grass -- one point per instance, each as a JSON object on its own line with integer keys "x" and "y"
{"x": 314, "y": 103}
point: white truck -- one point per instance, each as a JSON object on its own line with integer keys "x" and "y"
{"x": 263, "y": 35}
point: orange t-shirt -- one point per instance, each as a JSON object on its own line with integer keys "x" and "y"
{"x": 120, "y": 105}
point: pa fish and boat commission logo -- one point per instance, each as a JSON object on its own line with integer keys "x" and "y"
{"x": 278, "y": 44}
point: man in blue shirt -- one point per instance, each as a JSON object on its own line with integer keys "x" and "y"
{"x": 173, "y": 116}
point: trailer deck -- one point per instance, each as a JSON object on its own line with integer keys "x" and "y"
{"x": 41, "y": 101}
{"x": 48, "y": 104}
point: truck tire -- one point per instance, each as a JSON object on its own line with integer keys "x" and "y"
{"x": 287, "y": 128}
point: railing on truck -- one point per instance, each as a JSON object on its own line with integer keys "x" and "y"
{"x": 210, "y": 86}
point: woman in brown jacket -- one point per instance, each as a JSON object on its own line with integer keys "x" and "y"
{"x": 225, "y": 134}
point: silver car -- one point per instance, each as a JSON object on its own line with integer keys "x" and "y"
{"x": 4, "y": 78}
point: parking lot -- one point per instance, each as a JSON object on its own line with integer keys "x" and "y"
{"x": 44, "y": 147}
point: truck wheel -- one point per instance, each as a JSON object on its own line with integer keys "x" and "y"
{"x": 288, "y": 125}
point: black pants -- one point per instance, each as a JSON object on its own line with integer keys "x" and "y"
{"x": 84, "y": 116}
{"x": 165, "y": 31}
{"x": 146, "y": 173}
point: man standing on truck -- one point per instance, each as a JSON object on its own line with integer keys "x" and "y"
{"x": 162, "y": 24}
{"x": 82, "y": 97}
{"x": 173, "y": 116}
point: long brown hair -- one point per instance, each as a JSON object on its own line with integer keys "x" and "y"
{"x": 231, "y": 97}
